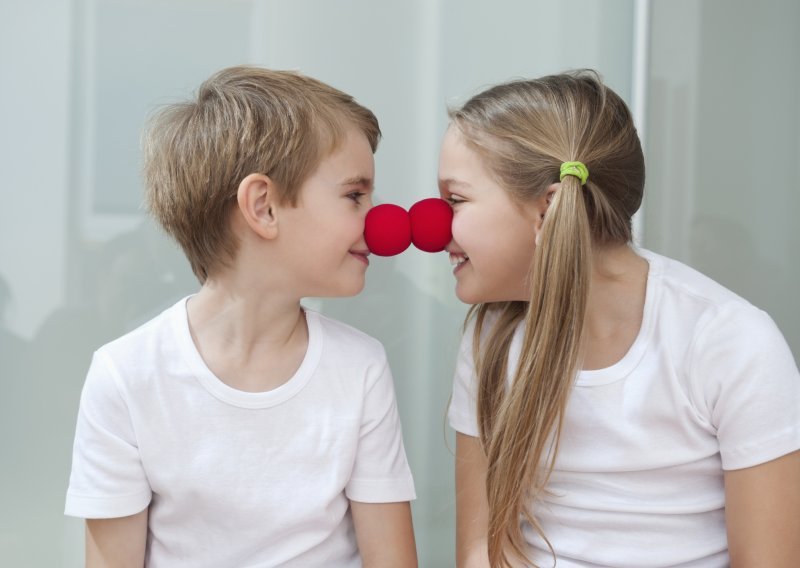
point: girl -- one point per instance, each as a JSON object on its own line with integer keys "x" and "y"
{"x": 613, "y": 407}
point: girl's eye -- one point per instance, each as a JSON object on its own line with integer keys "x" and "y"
{"x": 356, "y": 196}
{"x": 454, "y": 200}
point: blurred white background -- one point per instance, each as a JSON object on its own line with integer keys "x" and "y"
{"x": 715, "y": 84}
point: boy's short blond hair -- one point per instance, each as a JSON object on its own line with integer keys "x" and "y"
{"x": 243, "y": 120}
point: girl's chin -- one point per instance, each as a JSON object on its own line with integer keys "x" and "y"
{"x": 468, "y": 296}
{"x": 476, "y": 297}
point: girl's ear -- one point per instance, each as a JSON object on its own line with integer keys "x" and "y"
{"x": 542, "y": 203}
{"x": 550, "y": 193}
{"x": 257, "y": 199}
{"x": 540, "y": 206}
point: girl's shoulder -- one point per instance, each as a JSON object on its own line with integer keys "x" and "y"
{"x": 683, "y": 281}
{"x": 688, "y": 306}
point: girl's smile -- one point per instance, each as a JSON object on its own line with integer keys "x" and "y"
{"x": 458, "y": 260}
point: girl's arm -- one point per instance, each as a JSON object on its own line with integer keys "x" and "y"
{"x": 472, "y": 508}
{"x": 385, "y": 534}
{"x": 116, "y": 543}
{"x": 762, "y": 511}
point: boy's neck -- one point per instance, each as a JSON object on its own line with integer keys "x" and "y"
{"x": 251, "y": 341}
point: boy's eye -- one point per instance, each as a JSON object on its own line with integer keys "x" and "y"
{"x": 356, "y": 196}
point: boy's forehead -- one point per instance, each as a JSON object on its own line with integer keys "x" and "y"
{"x": 351, "y": 162}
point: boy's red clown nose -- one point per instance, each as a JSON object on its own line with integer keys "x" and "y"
{"x": 389, "y": 229}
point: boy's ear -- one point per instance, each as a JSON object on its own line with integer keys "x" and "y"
{"x": 257, "y": 199}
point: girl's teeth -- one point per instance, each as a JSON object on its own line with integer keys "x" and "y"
{"x": 456, "y": 259}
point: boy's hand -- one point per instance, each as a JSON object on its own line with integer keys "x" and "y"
{"x": 116, "y": 543}
{"x": 385, "y": 534}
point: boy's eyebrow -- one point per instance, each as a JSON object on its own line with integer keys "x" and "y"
{"x": 358, "y": 180}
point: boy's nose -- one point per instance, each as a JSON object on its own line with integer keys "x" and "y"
{"x": 389, "y": 229}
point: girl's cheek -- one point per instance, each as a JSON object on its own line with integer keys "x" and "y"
{"x": 456, "y": 229}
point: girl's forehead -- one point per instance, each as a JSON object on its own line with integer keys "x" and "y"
{"x": 458, "y": 163}
{"x": 455, "y": 150}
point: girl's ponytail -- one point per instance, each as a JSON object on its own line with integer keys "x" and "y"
{"x": 524, "y": 443}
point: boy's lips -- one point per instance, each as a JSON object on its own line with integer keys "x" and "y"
{"x": 361, "y": 255}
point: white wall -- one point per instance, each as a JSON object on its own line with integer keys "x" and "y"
{"x": 724, "y": 140}
{"x": 83, "y": 265}
{"x": 35, "y": 62}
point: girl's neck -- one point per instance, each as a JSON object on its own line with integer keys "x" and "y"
{"x": 615, "y": 306}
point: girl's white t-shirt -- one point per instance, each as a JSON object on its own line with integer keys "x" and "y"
{"x": 234, "y": 478}
{"x": 708, "y": 385}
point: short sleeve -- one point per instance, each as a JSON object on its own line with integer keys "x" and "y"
{"x": 463, "y": 411}
{"x": 380, "y": 473}
{"x": 750, "y": 385}
{"x": 107, "y": 478}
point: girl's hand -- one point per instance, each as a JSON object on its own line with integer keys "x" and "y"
{"x": 762, "y": 511}
{"x": 472, "y": 507}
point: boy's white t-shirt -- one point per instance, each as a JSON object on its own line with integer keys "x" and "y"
{"x": 708, "y": 385}
{"x": 235, "y": 478}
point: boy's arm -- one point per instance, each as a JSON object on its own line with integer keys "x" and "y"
{"x": 385, "y": 534}
{"x": 472, "y": 507}
{"x": 762, "y": 512}
{"x": 116, "y": 543}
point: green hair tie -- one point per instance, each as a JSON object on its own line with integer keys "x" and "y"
{"x": 576, "y": 169}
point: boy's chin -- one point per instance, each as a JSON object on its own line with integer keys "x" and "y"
{"x": 354, "y": 292}
{"x": 346, "y": 291}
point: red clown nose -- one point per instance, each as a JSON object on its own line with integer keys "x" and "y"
{"x": 389, "y": 229}
{"x": 431, "y": 222}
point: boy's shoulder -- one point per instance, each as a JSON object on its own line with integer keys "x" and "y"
{"x": 155, "y": 334}
{"x": 345, "y": 337}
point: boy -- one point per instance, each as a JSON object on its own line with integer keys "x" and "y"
{"x": 237, "y": 428}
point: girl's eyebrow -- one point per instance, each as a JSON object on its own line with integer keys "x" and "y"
{"x": 453, "y": 181}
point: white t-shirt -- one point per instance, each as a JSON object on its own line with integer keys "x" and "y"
{"x": 708, "y": 385}
{"x": 233, "y": 478}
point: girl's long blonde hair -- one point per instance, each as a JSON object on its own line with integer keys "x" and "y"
{"x": 523, "y": 131}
